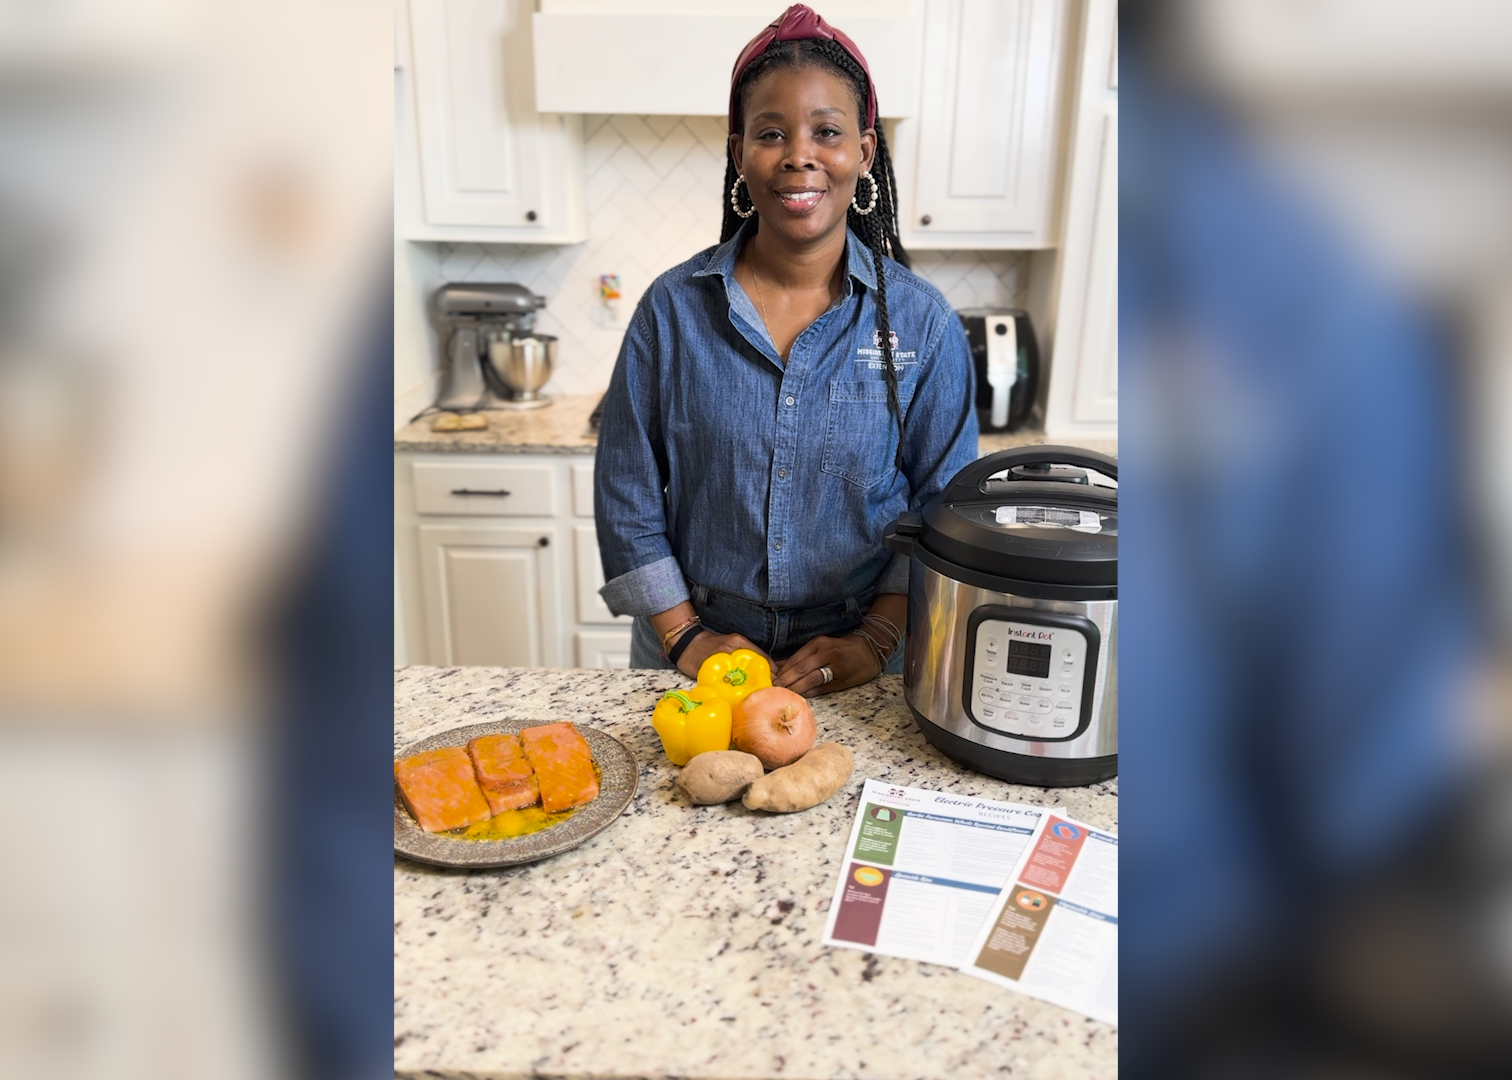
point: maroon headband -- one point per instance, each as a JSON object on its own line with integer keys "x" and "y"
{"x": 799, "y": 23}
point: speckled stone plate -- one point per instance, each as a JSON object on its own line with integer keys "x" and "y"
{"x": 617, "y": 779}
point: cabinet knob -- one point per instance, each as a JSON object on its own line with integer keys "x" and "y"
{"x": 545, "y": 541}
{"x": 530, "y": 215}
{"x": 925, "y": 220}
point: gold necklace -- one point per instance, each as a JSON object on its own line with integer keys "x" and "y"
{"x": 761, "y": 299}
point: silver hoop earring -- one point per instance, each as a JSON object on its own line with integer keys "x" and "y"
{"x": 735, "y": 202}
{"x": 871, "y": 205}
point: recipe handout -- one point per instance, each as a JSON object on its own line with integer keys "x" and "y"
{"x": 922, "y": 870}
{"x": 1052, "y": 932}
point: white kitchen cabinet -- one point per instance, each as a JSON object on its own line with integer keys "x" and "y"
{"x": 477, "y": 584}
{"x": 478, "y": 162}
{"x": 1082, "y": 401}
{"x": 604, "y": 650}
{"x": 490, "y": 595}
{"x": 590, "y": 579}
{"x": 977, "y": 167}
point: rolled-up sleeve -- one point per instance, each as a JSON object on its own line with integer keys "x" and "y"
{"x": 629, "y": 477}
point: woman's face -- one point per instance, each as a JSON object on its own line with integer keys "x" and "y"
{"x": 802, "y": 150}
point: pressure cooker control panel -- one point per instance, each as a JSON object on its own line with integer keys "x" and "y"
{"x": 1030, "y": 673}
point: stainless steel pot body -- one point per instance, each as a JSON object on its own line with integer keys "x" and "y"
{"x": 938, "y": 661}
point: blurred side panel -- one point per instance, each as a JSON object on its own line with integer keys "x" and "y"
{"x": 195, "y": 202}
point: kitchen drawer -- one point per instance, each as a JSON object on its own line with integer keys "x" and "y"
{"x": 492, "y": 490}
{"x": 590, "y": 579}
{"x": 603, "y": 649}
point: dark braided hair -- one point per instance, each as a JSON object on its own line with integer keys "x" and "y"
{"x": 878, "y": 230}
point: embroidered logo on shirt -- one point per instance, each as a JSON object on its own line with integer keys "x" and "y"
{"x": 873, "y": 358}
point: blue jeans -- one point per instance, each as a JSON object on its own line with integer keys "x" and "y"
{"x": 779, "y": 632}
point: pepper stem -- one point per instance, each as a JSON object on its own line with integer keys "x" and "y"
{"x": 736, "y": 677}
{"x": 687, "y": 703}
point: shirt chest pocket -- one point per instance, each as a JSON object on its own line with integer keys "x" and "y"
{"x": 861, "y": 435}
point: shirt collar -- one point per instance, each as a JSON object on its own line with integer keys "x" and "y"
{"x": 858, "y": 259}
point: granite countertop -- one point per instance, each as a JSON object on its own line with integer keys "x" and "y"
{"x": 558, "y": 428}
{"x": 684, "y": 941}
{"x": 562, "y": 428}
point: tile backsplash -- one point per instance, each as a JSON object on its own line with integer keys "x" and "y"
{"x": 654, "y": 199}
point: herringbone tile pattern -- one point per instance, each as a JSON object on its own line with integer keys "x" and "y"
{"x": 654, "y": 199}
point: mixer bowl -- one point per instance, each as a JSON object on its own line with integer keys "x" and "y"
{"x": 523, "y": 364}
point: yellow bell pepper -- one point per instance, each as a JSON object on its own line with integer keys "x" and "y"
{"x": 691, "y": 722}
{"x": 735, "y": 674}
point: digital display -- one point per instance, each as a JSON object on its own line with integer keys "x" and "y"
{"x": 1029, "y": 658}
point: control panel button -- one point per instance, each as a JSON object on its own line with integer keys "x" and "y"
{"x": 1024, "y": 704}
{"x": 1065, "y": 706}
{"x": 1043, "y": 705}
{"x": 1027, "y": 687}
{"x": 987, "y": 695}
{"x": 992, "y": 645}
{"x": 988, "y": 712}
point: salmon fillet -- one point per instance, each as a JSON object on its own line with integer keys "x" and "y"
{"x": 563, "y": 765}
{"x": 440, "y": 789}
{"x": 507, "y": 780}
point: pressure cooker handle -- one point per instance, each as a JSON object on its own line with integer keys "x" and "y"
{"x": 902, "y": 533}
{"x": 968, "y": 482}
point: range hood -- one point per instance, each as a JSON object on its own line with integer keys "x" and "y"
{"x": 673, "y": 57}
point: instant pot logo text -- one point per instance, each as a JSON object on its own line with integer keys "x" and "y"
{"x": 1032, "y": 635}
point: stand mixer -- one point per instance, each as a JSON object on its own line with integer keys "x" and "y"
{"x": 493, "y": 357}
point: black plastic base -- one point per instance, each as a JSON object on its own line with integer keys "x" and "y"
{"x": 1017, "y": 768}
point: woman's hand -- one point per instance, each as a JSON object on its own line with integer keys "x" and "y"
{"x": 850, "y": 658}
{"x": 706, "y": 645}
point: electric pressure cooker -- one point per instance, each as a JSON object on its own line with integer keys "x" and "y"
{"x": 1011, "y": 665}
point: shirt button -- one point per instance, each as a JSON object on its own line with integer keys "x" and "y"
{"x": 778, "y": 545}
{"x": 782, "y": 474}
{"x": 790, "y": 399}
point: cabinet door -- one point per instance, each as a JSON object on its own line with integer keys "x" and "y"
{"x": 1096, "y": 399}
{"x": 491, "y": 595}
{"x": 1082, "y": 401}
{"x": 590, "y": 579}
{"x": 485, "y": 153}
{"x": 977, "y": 168}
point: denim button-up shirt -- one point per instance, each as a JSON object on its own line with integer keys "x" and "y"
{"x": 719, "y": 464}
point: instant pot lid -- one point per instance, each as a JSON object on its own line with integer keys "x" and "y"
{"x": 1027, "y": 528}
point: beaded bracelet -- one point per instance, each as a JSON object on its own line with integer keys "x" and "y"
{"x": 681, "y": 645}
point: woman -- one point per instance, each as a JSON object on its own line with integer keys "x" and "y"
{"x": 779, "y": 399}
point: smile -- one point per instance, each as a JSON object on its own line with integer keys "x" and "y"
{"x": 800, "y": 200}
